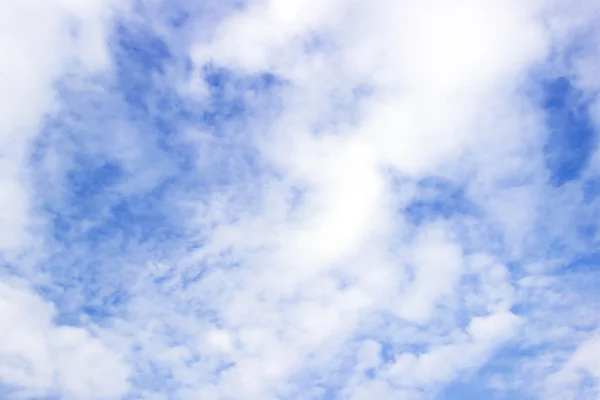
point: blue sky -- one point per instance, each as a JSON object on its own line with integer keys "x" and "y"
{"x": 299, "y": 200}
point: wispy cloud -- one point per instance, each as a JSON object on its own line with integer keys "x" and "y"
{"x": 299, "y": 200}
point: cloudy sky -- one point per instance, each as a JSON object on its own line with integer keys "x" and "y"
{"x": 299, "y": 199}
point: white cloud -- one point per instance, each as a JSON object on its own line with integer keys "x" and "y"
{"x": 433, "y": 257}
{"x": 38, "y": 47}
{"x": 311, "y": 273}
{"x": 41, "y": 42}
{"x": 41, "y": 358}
{"x": 583, "y": 363}
{"x": 446, "y": 100}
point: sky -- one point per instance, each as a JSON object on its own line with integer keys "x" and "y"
{"x": 299, "y": 199}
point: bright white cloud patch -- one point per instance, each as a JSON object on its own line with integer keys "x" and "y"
{"x": 38, "y": 357}
{"x": 299, "y": 200}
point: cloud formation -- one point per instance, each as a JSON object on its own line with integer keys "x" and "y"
{"x": 299, "y": 200}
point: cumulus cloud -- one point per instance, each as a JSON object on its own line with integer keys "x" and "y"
{"x": 38, "y": 357}
{"x": 300, "y": 199}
